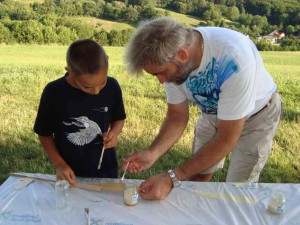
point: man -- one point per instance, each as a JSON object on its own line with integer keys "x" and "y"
{"x": 222, "y": 72}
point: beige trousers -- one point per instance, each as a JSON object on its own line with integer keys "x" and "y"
{"x": 254, "y": 146}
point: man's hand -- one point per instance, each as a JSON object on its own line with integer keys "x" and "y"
{"x": 139, "y": 161}
{"x": 156, "y": 188}
{"x": 65, "y": 173}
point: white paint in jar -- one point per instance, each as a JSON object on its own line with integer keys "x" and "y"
{"x": 131, "y": 194}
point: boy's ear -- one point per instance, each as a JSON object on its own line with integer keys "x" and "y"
{"x": 68, "y": 70}
{"x": 182, "y": 55}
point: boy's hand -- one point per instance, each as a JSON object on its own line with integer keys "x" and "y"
{"x": 110, "y": 139}
{"x": 65, "y": 173}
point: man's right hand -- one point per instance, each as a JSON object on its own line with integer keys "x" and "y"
{"x": 139, "y": 161}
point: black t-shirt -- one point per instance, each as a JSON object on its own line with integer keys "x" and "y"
{"x": 77, "y": 121}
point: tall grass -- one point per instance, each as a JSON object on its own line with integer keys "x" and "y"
{"x": 25, "y": 70}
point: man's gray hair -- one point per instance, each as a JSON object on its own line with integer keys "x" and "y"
{"x": 156, "y": 42}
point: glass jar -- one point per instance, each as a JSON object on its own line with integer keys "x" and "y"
{"x": 131, "y": 194}
{"x": 277, "y": 202}
{"x": 61, "y": 194}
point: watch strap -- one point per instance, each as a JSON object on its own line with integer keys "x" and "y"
{"x": 175, "y": 181}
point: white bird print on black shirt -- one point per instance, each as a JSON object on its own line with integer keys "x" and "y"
{"x": 87, "y": 134}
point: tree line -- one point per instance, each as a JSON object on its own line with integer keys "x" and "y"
{"x": 54, "y": 21}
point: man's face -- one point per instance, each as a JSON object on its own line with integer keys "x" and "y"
{"x": 173, "y": 72}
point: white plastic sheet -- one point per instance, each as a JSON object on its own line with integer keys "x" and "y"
{"x": 194, "y": 203}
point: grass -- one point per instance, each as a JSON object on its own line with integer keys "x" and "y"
{"x": 190, "y": 21}
{"x": 105, "y": 24}
{"x": 26, "y": 69}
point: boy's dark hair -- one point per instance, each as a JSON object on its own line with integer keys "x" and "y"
{"x": 86, "y": 56}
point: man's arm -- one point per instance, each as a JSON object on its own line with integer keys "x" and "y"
{"x": 228, "y": 132}
{"x": 170, "y": 131}
{"x": 227, "y": 135}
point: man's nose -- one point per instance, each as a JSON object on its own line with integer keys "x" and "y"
{"x": 162, "y": 79}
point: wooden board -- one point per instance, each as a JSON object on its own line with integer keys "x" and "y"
{"x": 118, "y": 187}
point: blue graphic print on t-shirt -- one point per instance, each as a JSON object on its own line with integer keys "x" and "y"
{"x": 205, "y": 85}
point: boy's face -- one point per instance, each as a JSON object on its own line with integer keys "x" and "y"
{"x": 89, "y": 83}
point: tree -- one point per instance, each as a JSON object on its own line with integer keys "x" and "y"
{"x": 50, "y": 35}
{"x": 65, "y": 35}
{"x": 5, "y": 35}
{"x": 233, "y": 13}
{"x": 215, "y": 13}
{"x": 131, "y": 15}
{"x": 19, "y": 11}
{"x": 181, "y": 7}
{"x": 3, "y": 10}
{"x": 119, "y": 9}
{"x": 49, "y": 20}
{"x": 245, "y": 19}
{"x": 115, "y": 38}
{"x": 144, "y": 3}
{"x": 163, "y": 3}
{"x": 108, "y": 10}
{"x": 222, "y": 23}
{"x": 231, "y": 3}
{"x": 119, "y": 38}
{"x": 289, "y": 29}
{"x": 89, "y": 8}
{"x": 83, "y": 30}
{"x": 148, "y": 13}
{"x": 101, "y": 37}
{"x": 260, "y": 22}
{"x": 28, "y": 32}
{"x": 47, "y": 7}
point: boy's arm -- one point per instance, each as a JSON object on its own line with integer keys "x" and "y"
{"x": 111, "y": 138}
{"x": 117, "y": 126}
{"x": 63, "y": 170}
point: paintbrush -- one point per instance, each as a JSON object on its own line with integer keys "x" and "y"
{"x": 103, "y": 148}
{"x": 124, "y": 172}
{"x": 101, "y": 157}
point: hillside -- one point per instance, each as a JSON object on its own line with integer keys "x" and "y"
{"x": 111, "y": 22}
{"x": 108, "y": 25}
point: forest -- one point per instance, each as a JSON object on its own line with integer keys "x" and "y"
{"x": 56, "y": 21}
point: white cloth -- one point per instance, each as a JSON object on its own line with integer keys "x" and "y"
{"x": 194, "y": 203}
{"x": 231, "y": 80}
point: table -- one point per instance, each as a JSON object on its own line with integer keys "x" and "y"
{"x": 194, "y": 203}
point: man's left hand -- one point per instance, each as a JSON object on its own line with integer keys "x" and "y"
{"x": 156, "y": 188}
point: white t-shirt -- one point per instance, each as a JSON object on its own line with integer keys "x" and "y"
{"x": 231, "y": 81}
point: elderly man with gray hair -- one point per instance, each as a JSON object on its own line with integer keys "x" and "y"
{"x": 221, "y": 71}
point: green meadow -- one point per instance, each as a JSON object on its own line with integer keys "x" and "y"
{"x": 26, "y": 69}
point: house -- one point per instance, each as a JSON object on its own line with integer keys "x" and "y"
{"x": 274, "y": 37}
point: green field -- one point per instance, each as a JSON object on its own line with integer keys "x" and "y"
{"x": 25, "y": 70}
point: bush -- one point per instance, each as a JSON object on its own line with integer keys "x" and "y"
{"x": 5, "y": 35}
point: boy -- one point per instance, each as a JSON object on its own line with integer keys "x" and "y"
{"x": 81, "y": 112}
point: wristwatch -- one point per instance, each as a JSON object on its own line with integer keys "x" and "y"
{"x": 175, "y": 181}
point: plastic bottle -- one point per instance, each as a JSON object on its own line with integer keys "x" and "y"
{"x": 277, "y": 202}
{"x": 61, "y": 194}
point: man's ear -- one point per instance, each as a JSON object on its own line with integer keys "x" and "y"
{"x": 182, "y": 55}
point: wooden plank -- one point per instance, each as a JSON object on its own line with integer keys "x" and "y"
{"x": 118, "y": 187}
